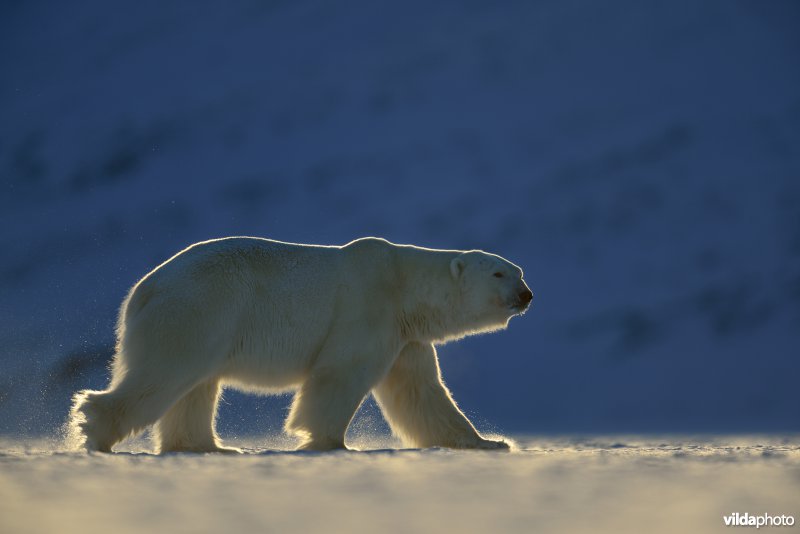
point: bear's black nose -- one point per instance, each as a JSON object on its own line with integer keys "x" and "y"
{"x": 526, "y": 296}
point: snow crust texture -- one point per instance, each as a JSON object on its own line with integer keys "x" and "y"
{"x": 622, "y": 484}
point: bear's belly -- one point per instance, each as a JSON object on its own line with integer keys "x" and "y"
{"x": 272, "y": 368}
{"x": 275, "y": 349}
{"x": 265, "y": 372}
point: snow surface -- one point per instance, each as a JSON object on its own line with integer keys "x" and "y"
{"x": 630, "y": 484}
{"x": 638, "y": 158}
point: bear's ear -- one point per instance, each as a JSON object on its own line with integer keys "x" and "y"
{"x": 457, "y": 267}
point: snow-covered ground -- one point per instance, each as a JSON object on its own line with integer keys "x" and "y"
{"x": 619, "y": 484}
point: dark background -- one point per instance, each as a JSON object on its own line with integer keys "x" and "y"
{"x": 640, "y": 160}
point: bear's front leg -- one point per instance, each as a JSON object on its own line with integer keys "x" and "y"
{"x": 419, "y": 407}
{"x": 323, "y": 408}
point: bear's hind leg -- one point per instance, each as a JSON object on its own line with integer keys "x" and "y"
{"x": 94, "y": 420}
{"x": 105, "y": 418}
{"x": 189, "y": 424}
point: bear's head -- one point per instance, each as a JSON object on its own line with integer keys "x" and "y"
{"x": 492, "y": 290}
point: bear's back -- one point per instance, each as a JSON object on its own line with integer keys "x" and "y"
{"x": 231, "y": 254}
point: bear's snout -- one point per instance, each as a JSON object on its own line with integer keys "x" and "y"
{"x": 523, "y": 300}
{"x": 526, "y": 296}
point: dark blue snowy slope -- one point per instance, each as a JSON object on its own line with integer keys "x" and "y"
{"x": 639, "y": 159}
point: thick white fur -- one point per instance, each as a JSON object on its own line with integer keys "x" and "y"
{"x": 331, "y": 323}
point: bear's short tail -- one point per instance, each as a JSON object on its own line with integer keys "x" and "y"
{"x": 91, "y": 422}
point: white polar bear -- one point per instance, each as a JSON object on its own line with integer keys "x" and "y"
{"x": 332, "y": 323}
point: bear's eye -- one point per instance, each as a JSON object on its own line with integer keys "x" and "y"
{"x": 498, "y": 275}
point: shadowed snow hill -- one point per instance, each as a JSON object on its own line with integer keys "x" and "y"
{"x": 548, "y": 485}
{"x": 638, "y": 159}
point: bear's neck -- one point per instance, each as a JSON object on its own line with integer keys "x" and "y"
{"x": 430, "y": 306}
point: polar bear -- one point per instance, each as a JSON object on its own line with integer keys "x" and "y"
{"x": 332, "y": 323}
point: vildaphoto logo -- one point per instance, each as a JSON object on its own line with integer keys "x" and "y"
{"x": 764, "y": 520}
